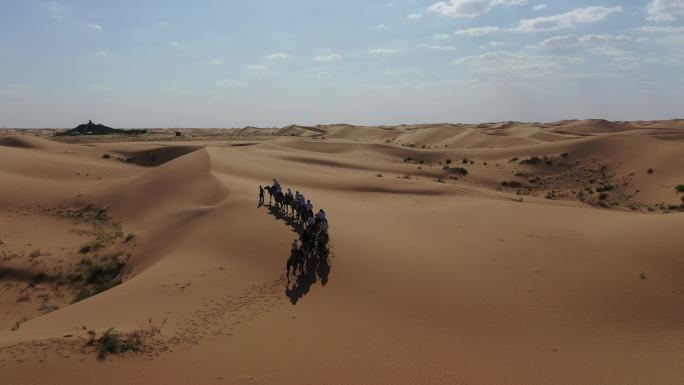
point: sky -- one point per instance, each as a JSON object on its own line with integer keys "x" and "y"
{"x": 222, "y": 63}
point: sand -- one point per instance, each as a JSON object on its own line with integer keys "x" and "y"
{"x": 435, "y": 277}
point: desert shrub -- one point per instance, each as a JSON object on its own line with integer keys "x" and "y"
{"x": 379, "y": 175}
{"x": 605, "y": 188}
{"x": 650, "y": 171}
{"x": 465, "y": 161}
{"x": 460, "y": 171}
{"x": 534, "y": 160}
{"x": 448, "y": 161}
{"x": 603, "y": 196}
{"x": 680, "y": 188}
{"x": 106, "y": 156}
{"x": 17, "y": 324}
{"x": 112, "y": 342}
{"x": 513, "y": 160}
{"x": 511, "y": 184}
{"x": 98, "y": 275}
{"x": 564, "y": 155}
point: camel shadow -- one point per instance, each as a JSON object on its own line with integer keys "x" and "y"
{"x": 316, "y": 267}
{"x": 292, "y": 222}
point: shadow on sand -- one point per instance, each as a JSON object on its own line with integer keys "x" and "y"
{"x": 316, "y": 263}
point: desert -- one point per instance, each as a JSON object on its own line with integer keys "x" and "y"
{"x": 546, "y": 251}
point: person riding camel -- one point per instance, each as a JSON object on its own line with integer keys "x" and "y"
{"x": 276, "y": 186}
{"x": 321, "y": 215}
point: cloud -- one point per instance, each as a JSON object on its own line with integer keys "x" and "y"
{"x": 607, "y": 50}
{"x": 382, "y": 51}
{"x": 163, "y": 23}
{"x": 568, "y": 19}
{"x": 257, "y": 67}
{"x": 176, "y": 44}
{"x": 216, "y": 62}
{"x": 540, "y": 7}
{"x": 278, "y": 56}
{"x": 515, "y": 63}
{"x": 414, "y": 16}
{"x": 231, "y": 83}
{"x": 469, "y": 8}
{"x": 440, "y": 36}
{"x": 665, "y": 10}
{"x": 661, "y": 29}
{"x": 328, "y": 55}
{"x": 438, "y": 47}
{"x": 586, "y": 40}
{"x": 493, "y": 44}
{"x": 261, "y": 70}
{"x": 479, "y": 31}
{"x": 642, "y": 39}
{"x": 95, "y": 26}
{"x": 380, "y": 26}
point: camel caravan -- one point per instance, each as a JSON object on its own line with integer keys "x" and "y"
{"x": 312, "y": 228}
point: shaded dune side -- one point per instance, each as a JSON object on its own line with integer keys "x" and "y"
{"x": 153, "y": 156}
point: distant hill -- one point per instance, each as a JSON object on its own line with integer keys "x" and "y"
{"x": 91, "y": 128}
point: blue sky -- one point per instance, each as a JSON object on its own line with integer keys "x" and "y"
{"x": 211, "y": 63}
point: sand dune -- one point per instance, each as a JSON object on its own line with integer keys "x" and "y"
{"x": 436, "y": 276}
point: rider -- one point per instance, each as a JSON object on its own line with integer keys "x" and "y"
{"x": 276, "y": 186}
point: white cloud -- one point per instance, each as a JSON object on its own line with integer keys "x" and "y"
{"x": 568, "y": 19}
{"x": 515, "y": 63}
{"x": 380, "y": 26}
{"x": 479, "y": 31}
{"x": 626, "y": 63}
{"x": 95, "y": 26}
{"x": 278, "y": 56}
{"x": 642, "y": 39}
{"x": 414, "y": 16}
{"x": 586, "y": 40}
{"x": 438, "y": 47}
{"x": 607, "y": 50}
{"x": 176, "y": 44}
{"x": 661, "y": 29}
{"x": 469, "y": 8}
{"x": 328, "y": 56}
{"x": 257, "y": 68}
{"x": 440, "y": 36}
{"x": 216, "y": 62}
{"x": 665, "y": 10}
{"x": 540, "y": 7}
{"x": 261, "y": 70}
{"x": 231, "y": 83}
{"x": 493, "y": 44}
{"x": 382, "y": 51}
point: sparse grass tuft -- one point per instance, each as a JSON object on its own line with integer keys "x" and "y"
{"x": 112, "y": 342}
{"x": 16, "y": 325}
{"x": 98, "y": 275}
